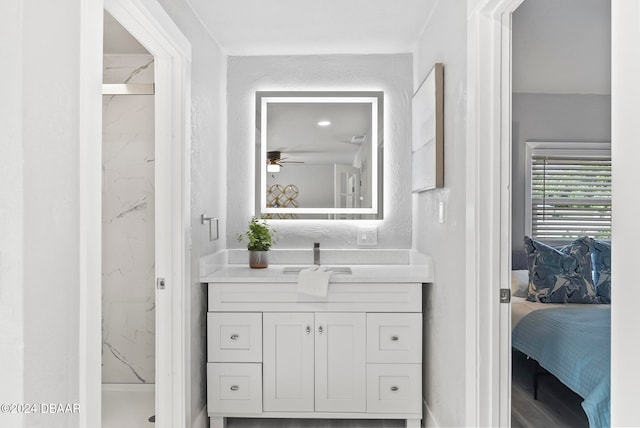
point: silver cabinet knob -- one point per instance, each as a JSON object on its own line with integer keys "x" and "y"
{"x": 308, "y": 330}
{"x": 320, "y": 330}
{"x": 394, "y": 388}
{"x": 394, "y": 338}
{"x": 235, "y": 388}
{"x": 234, "y": 337}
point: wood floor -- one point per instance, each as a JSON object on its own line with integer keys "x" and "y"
{"x": 313, "y": 423}
{"x": 556, "y": 406}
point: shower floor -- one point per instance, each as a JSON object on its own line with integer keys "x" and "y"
{"x": 127, "y": 406}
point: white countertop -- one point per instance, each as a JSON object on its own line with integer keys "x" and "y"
{"x": 387, "y": 266}
{"x": 360, "y": 273}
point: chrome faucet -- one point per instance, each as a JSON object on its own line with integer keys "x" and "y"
{"x": 316, "y": 253}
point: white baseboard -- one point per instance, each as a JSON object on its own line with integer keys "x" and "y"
{"x": 429, "y": 419}
{"x": 201, "y": 420}
{"x": 129, "y": 387}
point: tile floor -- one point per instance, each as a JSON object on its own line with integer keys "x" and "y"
{"x": 127, "y": 406}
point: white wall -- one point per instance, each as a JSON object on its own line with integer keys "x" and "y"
{"x": 444, "y": 40}
{"x": 49, "y": 113}
{"x": 42, "y": 108}
{"x": 128, "y": 225}
{"x": 11, "y": 213}
{"x": 390, "y": 73}
{"x": 625, "y": 371}
{"x": 208, "y": 177}
{"x": 314, "y": 183}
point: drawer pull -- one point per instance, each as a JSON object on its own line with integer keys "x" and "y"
{"x": 394, "y": 338}
{"x": 394, "y": 388}
{"x": 308, "y": 330}
{"x": 234, "y": 337}
{"x": 235, "y": 388}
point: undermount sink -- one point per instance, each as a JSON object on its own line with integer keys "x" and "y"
{"x": 342, "y": 270}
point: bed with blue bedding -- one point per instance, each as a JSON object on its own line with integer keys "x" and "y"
{"x": 572, "y": 342}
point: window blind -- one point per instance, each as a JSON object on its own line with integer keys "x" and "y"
{"x": 570, "y": 196}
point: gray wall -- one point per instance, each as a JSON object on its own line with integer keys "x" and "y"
{"x": 561, "y": 82}
{"x": 444, "y": 40}
{"x": 390, "y": 73}
{"x": 551, "y": 117}
{"x": 562, "y": 47}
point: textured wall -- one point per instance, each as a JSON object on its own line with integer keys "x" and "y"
{"x": 444, "y": 40}
{"x": 128, "y": 250}
{"x": 11, "y": 214}
{"x": 389, "y": 73}
{"x": 50, "y": 47}
{"x": 208, "y": 181}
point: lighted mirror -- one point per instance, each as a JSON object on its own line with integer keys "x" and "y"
{"x": 320, "y": 155}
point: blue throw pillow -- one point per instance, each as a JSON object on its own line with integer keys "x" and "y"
{"x": 601, "y": 258}
{"x": 560, "y": 275}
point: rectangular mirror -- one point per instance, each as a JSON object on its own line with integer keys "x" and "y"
{"x": 320, "y": 155}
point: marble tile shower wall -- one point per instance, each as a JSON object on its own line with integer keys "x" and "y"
{"x": 128, "y": 268}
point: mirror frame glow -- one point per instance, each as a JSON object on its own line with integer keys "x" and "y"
{"x": 371, "y": 98}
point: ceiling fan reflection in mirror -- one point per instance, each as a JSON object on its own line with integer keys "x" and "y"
{"x": 275, "y": 161}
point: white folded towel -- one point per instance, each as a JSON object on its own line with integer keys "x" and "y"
{"x": 314, "y": 281}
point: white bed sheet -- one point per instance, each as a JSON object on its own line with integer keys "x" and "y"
{"x": 520, "y": 307}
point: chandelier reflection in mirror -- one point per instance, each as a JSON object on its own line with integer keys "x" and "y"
{"x": 279, "y": 196}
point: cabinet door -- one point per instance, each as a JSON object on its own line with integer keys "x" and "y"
{"x": 340, "y": 362}
{"x": 288, "y": 362}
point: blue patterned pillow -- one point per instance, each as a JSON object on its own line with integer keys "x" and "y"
{"x": 560, "y": 275}
{"x": 601, "y": 258}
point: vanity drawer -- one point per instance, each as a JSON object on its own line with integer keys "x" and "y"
{"x": 394, "y": 338}
{"x": 234, "y": 388}
{"x": 234, "y": 337}
{"x": 394, "y": 388}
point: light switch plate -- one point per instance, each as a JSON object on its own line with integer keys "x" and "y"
{"x": 441, "y": 212}
{"x": 367, "y": 235}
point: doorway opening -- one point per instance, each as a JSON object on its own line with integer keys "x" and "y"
{"x": 128, "y": 230}
{"x": 561, "y": 181}
{"x": 151, "y": 26}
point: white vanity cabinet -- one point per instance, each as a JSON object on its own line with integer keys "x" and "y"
{"x": 274, "y": 353}
{"x": 314, "y": 361}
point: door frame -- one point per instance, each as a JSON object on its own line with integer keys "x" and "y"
{"x": 152, "y": 27}
{"x": 488, "y": 199}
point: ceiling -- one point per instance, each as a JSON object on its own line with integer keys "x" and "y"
{"x": 293, "y": 27}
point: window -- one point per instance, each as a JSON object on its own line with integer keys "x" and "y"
{"x": 569, "y": 191}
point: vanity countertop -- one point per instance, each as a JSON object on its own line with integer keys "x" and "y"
{"x": 392, "y": 273}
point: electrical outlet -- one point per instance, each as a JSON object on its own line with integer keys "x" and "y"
{"x": 367, "y": 235}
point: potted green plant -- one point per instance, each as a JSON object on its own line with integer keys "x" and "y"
{"x": 260, "y": 236}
